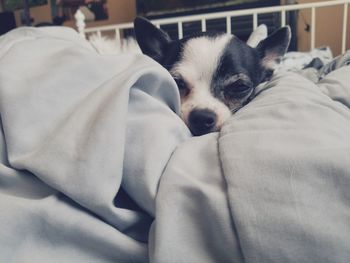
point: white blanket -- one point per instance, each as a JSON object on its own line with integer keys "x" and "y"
{"x": 96, "y": 165}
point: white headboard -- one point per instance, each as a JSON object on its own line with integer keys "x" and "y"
{"x": 282, "y": 9}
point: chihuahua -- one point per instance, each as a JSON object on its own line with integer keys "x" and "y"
{"x": 216, "y": 73}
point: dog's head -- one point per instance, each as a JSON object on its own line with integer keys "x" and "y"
{"x": 216, "y": 73}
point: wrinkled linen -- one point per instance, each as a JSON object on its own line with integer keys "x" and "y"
{"x": 97, "y": 166}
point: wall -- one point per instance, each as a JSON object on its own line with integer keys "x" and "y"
{"x": 39, "y": 13}
{"x": 329, "y": 23}
{"x": 120, "y": 11}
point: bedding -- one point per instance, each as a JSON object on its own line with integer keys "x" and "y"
{"x": 96, "y": 165}
{"x": 294, "y": 61}
{"x": 338, "y": 62}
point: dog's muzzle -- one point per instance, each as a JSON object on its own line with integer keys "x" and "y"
{"x": 202, "y": 121}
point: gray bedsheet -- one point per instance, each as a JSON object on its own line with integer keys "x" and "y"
{"x": 96, "y": 165}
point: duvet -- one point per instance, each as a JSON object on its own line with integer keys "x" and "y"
{"x": 96, "y": 165}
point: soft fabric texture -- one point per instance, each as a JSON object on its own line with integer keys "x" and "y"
{"x": 298, "y": 60}
{"x": 96, "y": 165}
{"x": 68, "y": 116}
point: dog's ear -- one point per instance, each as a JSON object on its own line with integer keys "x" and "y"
{"x": 274, "y": 47}
{"x": 259, "y": 34}
{"x": 152, "y": 40}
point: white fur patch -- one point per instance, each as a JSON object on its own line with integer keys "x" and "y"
{"x": 199, "y": 59}
{"x": 203, "y": 99}
{"x": 197, "y": 66}
{"x": 270, "y": 60}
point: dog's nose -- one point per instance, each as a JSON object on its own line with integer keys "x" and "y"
{"x": 202, "y": 121}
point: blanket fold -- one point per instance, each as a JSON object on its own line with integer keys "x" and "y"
{"x": 286, "y": 161}
{"x": 68, "y": 116}
{"x": 97, "y": 166}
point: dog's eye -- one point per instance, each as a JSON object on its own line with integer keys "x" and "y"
{"x": 184, "y": 90}
{"x": 237, "y": 90}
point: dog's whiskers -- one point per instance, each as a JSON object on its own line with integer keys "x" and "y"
{"x": 233, "y": 111}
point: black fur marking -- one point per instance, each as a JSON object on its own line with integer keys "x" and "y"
{"x": 171, "y": 54}
{"x": 151, "y": 40}
{"x": 275, "y": 45}
{"x": 239, "y": 63}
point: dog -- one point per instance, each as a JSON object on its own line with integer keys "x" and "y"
{"x": 216, "y": 73}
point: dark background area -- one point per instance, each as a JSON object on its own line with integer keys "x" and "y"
{"x": 240, "y": 26}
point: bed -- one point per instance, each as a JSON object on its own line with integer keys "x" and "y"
{"x": 121, "y": 31}
{"x": 97, "y": 166}
{"x": 119, "y": 38}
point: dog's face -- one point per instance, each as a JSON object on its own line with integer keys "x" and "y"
{"x": 216, "y": 73}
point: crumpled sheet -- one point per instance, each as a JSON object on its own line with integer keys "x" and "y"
{"x": 72, "y": 190}
{"x": 96, "y": 165}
